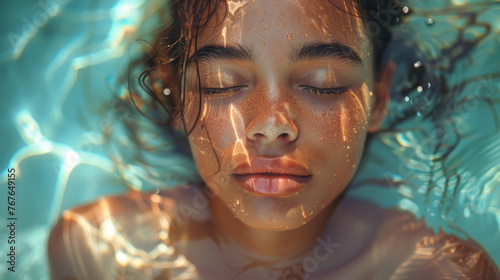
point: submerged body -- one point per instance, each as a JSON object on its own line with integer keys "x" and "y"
{"x": 171, "y": 235}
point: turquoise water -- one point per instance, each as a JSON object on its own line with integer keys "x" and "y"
{"x": 63, "y": 132}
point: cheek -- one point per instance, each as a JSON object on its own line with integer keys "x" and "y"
{"x": 340, "y": 134}
{"x": 212, "y": 140}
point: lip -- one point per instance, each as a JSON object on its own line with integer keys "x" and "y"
{"x": 271, "y": 176}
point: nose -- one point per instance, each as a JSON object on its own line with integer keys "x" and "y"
{"x": 272, "y": 126}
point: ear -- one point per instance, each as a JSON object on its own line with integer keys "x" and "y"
{"x": 381, "y": 96}
{"x": 167, "y": 89}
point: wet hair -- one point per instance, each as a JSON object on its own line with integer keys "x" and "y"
{"x": 188, "y": 18}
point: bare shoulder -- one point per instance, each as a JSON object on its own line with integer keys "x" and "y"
{"x": 424, "y": 254}
{"x": 397, "y": 246}
{"x": 447, "y": 257}
{"x": 94, "y": 235}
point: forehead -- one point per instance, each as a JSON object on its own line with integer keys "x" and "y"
{"x": 270, "y": 25}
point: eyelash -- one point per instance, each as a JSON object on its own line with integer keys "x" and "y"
{"x": 221, "y": 90}
{"x": 316, "y": 91}
{"x": 324, "y": 91}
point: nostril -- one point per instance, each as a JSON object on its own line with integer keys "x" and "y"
{"x": 284, "y": 135}
{"x": 257, "y": 136}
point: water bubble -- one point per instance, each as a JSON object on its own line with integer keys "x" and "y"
{"x": 289, "y": 36}
{"x": 428, "y": 85}
{"x": 406, "y": 9}
{"x": 429, "y": 21}
{"x": 419, "y": 114}
{"x": 417, "y": 64}
{"x": 407, "y": 98}
{"x": 167, "y": 91}
{"x": 419, "y": 88}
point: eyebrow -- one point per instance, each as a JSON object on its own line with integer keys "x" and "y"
{"x": 215, "y": 52}
{"x": 333, "y": 50}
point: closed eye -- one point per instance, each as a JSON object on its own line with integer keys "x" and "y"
{"x": 206, "y": 90}
{"x": 324, "y": 91}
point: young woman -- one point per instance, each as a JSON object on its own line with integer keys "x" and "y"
{"x": 277, "y": 99}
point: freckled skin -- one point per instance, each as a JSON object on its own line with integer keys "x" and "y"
{"x": 272, "y": 104}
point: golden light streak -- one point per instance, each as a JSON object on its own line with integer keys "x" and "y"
{"x": 303, "y": 212}
{"x": 224, "y": 35}
{"x": 234, "y": 6}
{"x": 360, "y": 105}
{"x": 239, "y": 148}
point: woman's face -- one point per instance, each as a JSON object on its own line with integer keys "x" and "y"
{"x": 288, "y": 96}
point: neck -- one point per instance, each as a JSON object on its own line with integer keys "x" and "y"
{"x": 265, "y": 243}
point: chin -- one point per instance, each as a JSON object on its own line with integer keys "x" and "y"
{"x": 274, "y": 213}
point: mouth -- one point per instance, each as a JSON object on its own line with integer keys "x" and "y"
{"x": 271, "y": 177}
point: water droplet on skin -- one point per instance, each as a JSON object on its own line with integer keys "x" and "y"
{"x": 348, "y": 147}
{"x": 284, "y": 25}
{"x": 281, "y": 17}
{"x": 331, "y": 107}
{"x": 354, "y": 166}
{"x": 345, "y": 138}
{"x": 220, "y": 131}
{"x": 306, "y": 35}
{"x": 406, "y": 9}
{"x": 266, "y": 27}
{"x": 354, "y": 130}
{"x": 237, "y": 202}
{"x": 263, "y": 43}
{"x": 321, "y": 138}
{"x": 323, "y": 113}
{"x": 429, "y": 21}
{"x": 371, "y": 93}
{"x": 419, "y": 88}
{"x": 314, "y": 127}
{"x": 417, "y": 64}
{"x": 261, "y": 19}
{"x": 222, "y": 179}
